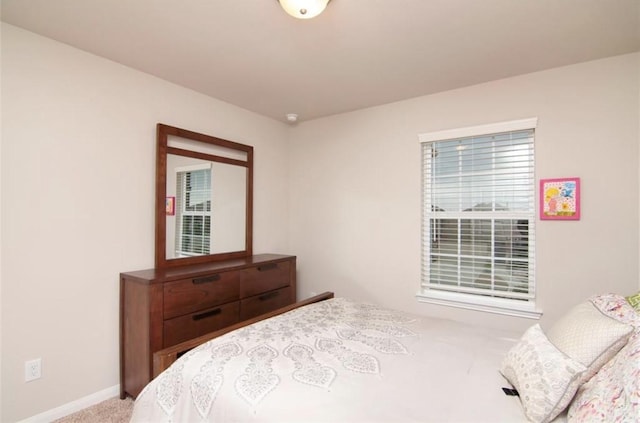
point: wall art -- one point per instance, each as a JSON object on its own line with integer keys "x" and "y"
{"x": 560, "y": 199}
{"x": 170, "y": 206}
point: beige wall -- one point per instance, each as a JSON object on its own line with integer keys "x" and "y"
{"x": 355, "y": 187}
{"x": 1, "y": 378}
{"x": 78, "y": 157}
{"x": 78, "y": 131}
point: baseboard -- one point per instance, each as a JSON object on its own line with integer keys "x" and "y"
{"x": 73, "y": 406}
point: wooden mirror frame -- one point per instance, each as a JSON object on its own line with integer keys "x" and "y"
{"x": 163, "y": 148}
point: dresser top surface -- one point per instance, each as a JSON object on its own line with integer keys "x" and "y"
{"x": 179, "y": 272}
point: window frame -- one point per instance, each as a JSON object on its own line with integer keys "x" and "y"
{"x": 470, "y": 301}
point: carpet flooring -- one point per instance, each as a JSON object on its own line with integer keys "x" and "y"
{"x": 113, "y": 410}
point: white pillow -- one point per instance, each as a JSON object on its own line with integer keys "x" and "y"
{"x": 545, "y": 378}
{"x": 589, "y": 337}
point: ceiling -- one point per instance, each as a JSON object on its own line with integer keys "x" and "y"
{"x": 357, "y": 54}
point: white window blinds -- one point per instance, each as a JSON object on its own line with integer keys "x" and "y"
{"x": 479, "y": 215}
{"x": 193, "y": 192}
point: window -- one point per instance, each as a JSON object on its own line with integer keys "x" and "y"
{"x": 193, "y": 211}
{"x": 479, "y": 218}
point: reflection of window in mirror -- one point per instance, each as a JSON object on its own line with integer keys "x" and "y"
{"x": 193, "y": 216}
{"x": 210, "y": 207}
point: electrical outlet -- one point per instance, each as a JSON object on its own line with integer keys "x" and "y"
{"x": 32, "y": 369}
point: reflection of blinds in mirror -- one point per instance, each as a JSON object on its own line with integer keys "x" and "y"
{"x": 193, "y": 212}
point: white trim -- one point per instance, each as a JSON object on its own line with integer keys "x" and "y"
{"x": 74, "y": 406}
{"x": 487, "y": 304}
{"x": 491, "y": 128}
{"x": 466, "y": 300}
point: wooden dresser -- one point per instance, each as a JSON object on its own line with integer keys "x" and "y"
{"x": 162, "y": 307}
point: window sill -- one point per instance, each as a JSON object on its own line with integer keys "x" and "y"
{"x": 486, "y": 304}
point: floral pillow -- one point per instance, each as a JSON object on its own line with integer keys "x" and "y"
{"x": 617, "y": 307}
{"x": 613, "y": 394}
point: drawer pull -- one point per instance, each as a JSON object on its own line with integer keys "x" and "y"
{"x": 269, "y": 295}
{"x": 266, "y": 267}
{"x": 206, "y": 279}
{"x": 206, "y": 314}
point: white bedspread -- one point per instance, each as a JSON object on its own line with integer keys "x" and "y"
{"x": 338, "y": 361}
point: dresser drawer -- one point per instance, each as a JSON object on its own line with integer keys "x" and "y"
{"x": 264, "y": 303}
{"x": 193, "y": 325}
{"x": 265, "y": 277}
{"x": 191, "y": 295}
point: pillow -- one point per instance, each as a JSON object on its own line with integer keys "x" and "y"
{"x": 616, "y": 307}
{"x": 545, "y": 377}
{"x": 634, "y": 301}
{"x": 613, "y": 394}
{"x": 589, "y": 337}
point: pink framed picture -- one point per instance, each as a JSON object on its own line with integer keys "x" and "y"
{"x": 170, "y": 206}
{"x": 560, "y": 199}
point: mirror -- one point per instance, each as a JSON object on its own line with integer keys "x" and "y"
{"x": 204, "y": 198}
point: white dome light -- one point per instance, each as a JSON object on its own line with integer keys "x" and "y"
{"x": 303, "y": 9}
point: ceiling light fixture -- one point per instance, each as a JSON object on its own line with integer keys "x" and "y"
{"x": 292, "y": 117}
{"x": 303, "y": 9}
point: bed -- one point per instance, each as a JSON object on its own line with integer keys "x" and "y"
{"x": 343, "y": 361}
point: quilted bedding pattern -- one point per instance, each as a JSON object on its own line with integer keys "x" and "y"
{"x": 338, "y": 360}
